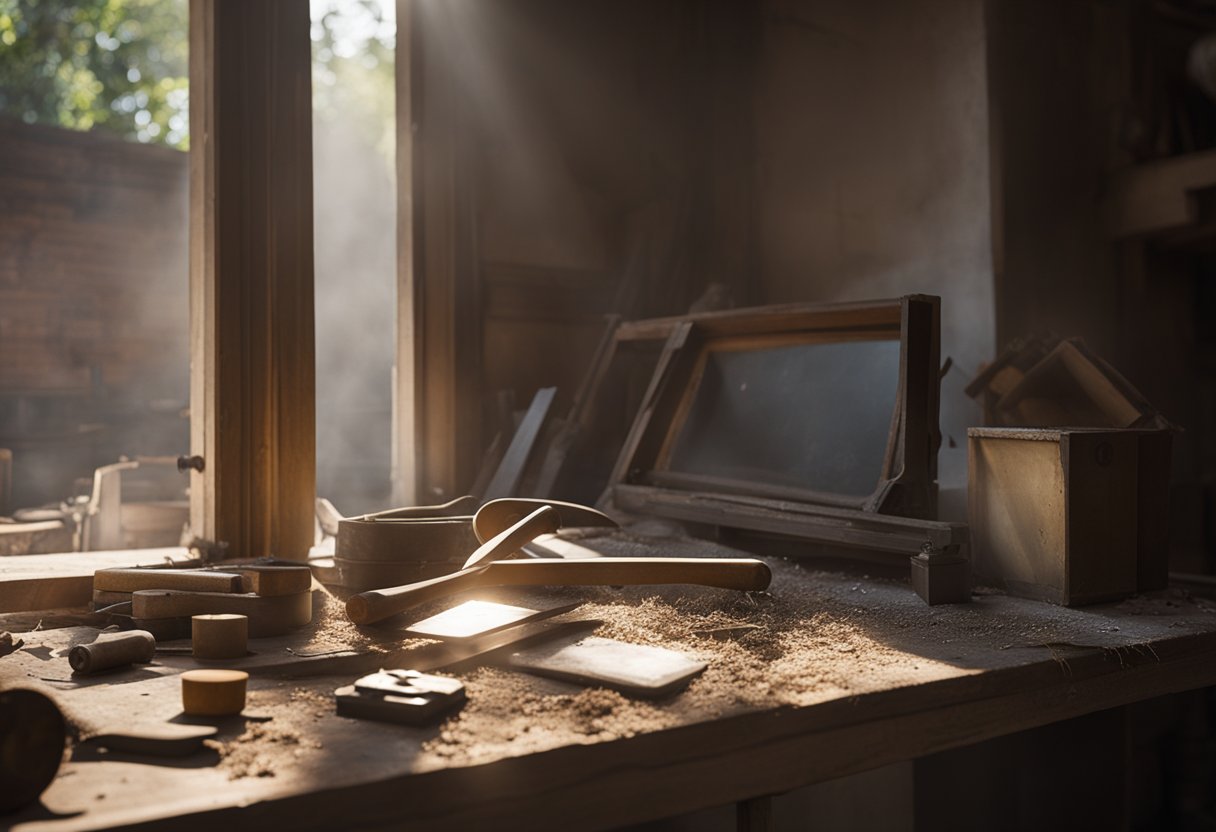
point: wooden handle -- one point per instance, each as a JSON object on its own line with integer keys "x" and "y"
{"x": 545, "y": 520}
{"x": 379, "y": 604}
{"x": 744, "y": 574}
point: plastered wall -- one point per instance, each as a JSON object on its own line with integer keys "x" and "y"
{"x": 872, "y": 169}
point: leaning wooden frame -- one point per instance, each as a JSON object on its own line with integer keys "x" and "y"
{"x": 893, "y": 518}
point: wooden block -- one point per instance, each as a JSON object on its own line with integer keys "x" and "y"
{"x": 219, "y": 636}
{"x": 268, "y": 580}
{"x": 1069, "y": 387}
{"x": 267, "y": 616}
{"x": 213, "y": 692}
{"x": 189, "y": 580}
{"x": 639, "y": 670}
{"x": 1053, "y": 513}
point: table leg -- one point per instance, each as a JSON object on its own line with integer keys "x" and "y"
{"x": 754, "y": 815}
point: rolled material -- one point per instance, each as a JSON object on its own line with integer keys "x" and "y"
{"x": 222, "y": 636}
{"x": 112, "y": 650}
{"x": 213, "y": 692}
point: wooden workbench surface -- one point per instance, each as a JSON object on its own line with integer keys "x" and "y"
{"x": 839, "y": 674}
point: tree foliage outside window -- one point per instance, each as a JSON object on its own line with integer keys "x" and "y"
{"x": 122, "y": 66}
{"x": 116, "y": 65}
{"x": 353, "y": 48}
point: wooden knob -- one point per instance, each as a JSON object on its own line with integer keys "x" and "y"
{"x": 220, "y": 636}
{"x": 213, "y": 692}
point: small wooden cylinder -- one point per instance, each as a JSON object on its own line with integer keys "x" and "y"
{"x": 220, "y": 636}
{"x": 111, "y": 650}
{"x": 213, "y": 692}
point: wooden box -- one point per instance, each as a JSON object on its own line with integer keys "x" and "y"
{"x": 1070, "y": 515}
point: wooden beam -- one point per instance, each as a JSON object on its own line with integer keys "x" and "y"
{"x": 446, "y": 281}
{"x": 406, "y": 367}
{"x": 251, "y": 276}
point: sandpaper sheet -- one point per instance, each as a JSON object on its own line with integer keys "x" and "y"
{"x": 478, "y": 618}
{"x": 635, "y": 669}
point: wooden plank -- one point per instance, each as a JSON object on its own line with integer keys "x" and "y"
{"x": 407, "y": 368}
{"x": 448, "y": 321}
{"x": 790, "y": 316}
{"x": 507, "y": 477}
{"x": 573, "y": 784}
{"x": 45, "y": 582}
{"x": 251, "y": 273}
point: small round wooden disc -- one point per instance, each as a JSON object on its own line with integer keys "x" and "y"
{"x": 213, "y": 692}
{"x": 219, "y": 636}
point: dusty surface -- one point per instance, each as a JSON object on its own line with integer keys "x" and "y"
{"x": 816, "y": 636}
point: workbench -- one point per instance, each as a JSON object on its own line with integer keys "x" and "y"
{"x": 827, "y": 675}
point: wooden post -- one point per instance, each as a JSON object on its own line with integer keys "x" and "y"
{"x": 252, "y": 374}
{"x": 438, "y": 270}
{"x": 407, "y": 366}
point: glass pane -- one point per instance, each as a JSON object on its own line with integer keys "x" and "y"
{"x": 94, "y": 317}
{"x": 812, "y": 416}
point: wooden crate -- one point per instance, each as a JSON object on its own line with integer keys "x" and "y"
{"x": 1071, "y": 515}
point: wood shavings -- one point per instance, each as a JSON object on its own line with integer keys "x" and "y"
{"x": 8, "y": 644}
{"x": 257, "y": 751}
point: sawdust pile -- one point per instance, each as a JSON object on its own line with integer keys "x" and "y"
{"x": 816, "y": 636}
{"x": 334, "y": 631}
{"x": 762, "y": 651}
{"x": 259, "y": 750}
{"x": 314, "y": 703}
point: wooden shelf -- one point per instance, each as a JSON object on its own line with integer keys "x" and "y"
{"x": 1158, "y": 196}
